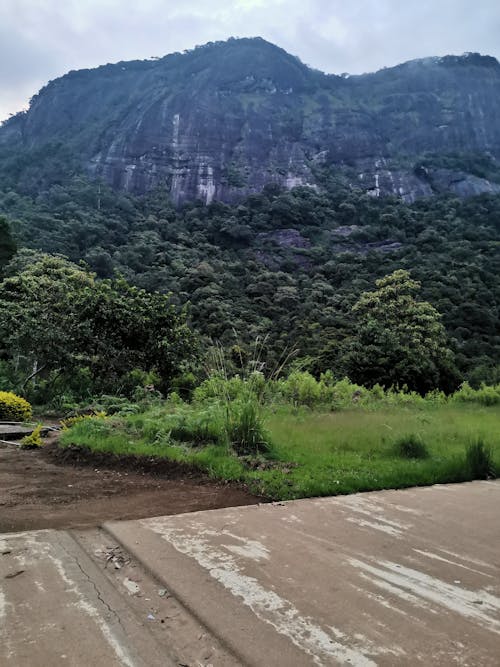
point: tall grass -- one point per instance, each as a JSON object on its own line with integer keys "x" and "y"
{"x": 245, "y": 428}
{"x": 314, "y": 452}
{"x": 411, "y": 447}
{"x": 320, "y": 436}
{"x": 479, "y": 460}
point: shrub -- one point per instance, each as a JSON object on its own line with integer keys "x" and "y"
{"x": 218, "y": 387}
{"x": 345, "y": 393}
{"x": 71, "y": 421}
{"x": 34, "y": 440}
{"x": 195, "y": 426}
{"x": 485, "y": 395}
{"x": 302, "y": 389}
{"x": 479, "y": 461}
{"x": 411, "y": 447}
{"x": 14, "y": 408}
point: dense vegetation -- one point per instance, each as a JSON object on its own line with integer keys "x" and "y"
{"x": 63, "y": 332}
{"x": 297, "y": 436}
{"x": 287, "y": 268}
{"x": 188, "y": 334}
{"x": 317, "y": 340}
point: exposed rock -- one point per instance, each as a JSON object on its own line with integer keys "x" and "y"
{"x": 346, "y": 230}
{"x": 461, "y": 184}
{"x": 223, "y": 120}
{"x": 286, "y": 238}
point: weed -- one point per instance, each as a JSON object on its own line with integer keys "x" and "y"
{"x": 245, "y": 429}
{"x": 479, "y": 461}
{"x": 411, "y": 447}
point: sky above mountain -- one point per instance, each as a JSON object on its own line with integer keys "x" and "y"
{"x": 43, "y": 39}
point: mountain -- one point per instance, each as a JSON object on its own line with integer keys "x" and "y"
{"x": 223, "y": 120}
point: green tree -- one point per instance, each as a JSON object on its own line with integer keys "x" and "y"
{"x": 398, "y": 340}
{"x": 58, "y": 318}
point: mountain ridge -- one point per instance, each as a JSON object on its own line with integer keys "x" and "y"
{"x": 221, "y": 121}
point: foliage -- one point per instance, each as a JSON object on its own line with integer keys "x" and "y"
{"x": 60, "y": 320}
{"x": 397, "y": 340}
{"x": 198, "y": 427}
{"x": 34, "y": 440}
{"x": 313, "y": 452}
{"x": 7, "y": 244}
{"x": 411, "y": 447}
{"x": 264, "y": 286}
{"x": 479, "y": 460}
{"x": 300, "y": 388}
{"x": 71, "y": 421}
{"x": 485, "y": 395}
{"x": 13, "y": 407}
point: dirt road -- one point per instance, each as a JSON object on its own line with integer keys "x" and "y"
{"x": 35, "y": 493}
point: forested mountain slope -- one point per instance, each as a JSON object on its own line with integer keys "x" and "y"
{"x": 285, "y": 266}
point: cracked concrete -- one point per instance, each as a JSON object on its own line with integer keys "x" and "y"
{"x": 62, "y": 611}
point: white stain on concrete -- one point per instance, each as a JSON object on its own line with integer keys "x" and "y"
{"x": 40, "y": 587}
{"x": 380, "y": 599}
{"x": 466, "y": 559}
{"x": 107, "y": 633}
{"x": 384, "y": 528}
{"x": 396, "y": 592}
{"x": 477, "y": 606}
{"x": 267, "y": 605}
{"x": 251, "y": 549}
{"x": 406, "y": 510}
{"x": 3, "y": 608}
{"x": 131, "y": 586}
{"x": 376, "y": 518}
{"x": 292, "y": 518}
{"x": 433, "y": 556}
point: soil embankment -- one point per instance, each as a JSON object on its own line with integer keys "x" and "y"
{"x": 38, "y": 489}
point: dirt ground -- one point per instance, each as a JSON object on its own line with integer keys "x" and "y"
{"x": 36, "y": 491}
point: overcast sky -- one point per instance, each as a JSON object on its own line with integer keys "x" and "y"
{"x": 43, "y": 39}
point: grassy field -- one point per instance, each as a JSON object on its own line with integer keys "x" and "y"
{"x": 318, "y": 453}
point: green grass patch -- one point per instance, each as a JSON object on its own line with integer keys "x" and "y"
{"x": 315, "y": 453}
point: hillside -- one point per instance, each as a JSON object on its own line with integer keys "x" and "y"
{"x": 284, "y": 267}
{"x": 223, "y": 120}
{"x": 115, "y": 166}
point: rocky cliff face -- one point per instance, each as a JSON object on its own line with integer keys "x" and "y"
{"x": 224, "y": 120}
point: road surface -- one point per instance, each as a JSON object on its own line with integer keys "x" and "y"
{"x": 387, "y": 578}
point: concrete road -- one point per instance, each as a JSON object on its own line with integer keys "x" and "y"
{"x": 389, "y": 578}
{"x": 57, "y": 608}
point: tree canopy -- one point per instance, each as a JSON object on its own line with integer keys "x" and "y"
{"x": 58, "y": 318}
{"x": 284, "y": 267}
{"x": 398, "y": 340}
{"x": 7, "y": 244}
